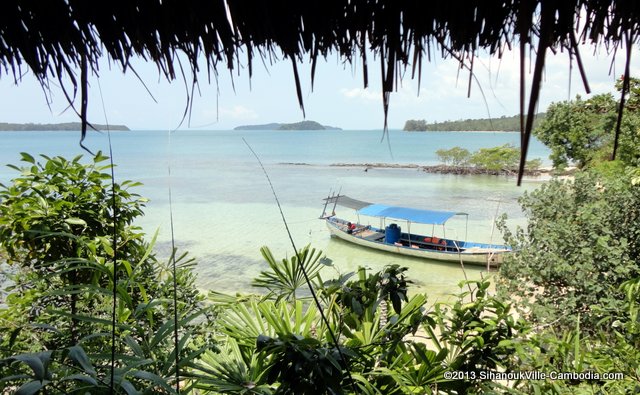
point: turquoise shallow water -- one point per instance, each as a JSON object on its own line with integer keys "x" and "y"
{"x": 224, "y": 210}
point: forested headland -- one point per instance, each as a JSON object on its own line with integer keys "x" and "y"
{"x": 502, "y": 124}
{"x": 303, "y": 125}
{"x": 70, "y": 126}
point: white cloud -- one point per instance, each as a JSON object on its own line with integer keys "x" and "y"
{"x": 443, "y": 90}
{"x": 361, "y": 93}
{"x": 237, "y": 112}
{"x": 223, "y": 117}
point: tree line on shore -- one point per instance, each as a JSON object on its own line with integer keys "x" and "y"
{"x": 502, "y": 124}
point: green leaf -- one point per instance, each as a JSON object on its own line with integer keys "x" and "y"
{"x": 35, "y": 362}
{"x": 81, "y": 377}
{"x": 76, "y": 221}
{"x": 129, "y": 388}
{"x": 106, "y": 244}
{"x": 31, "y": 388}
{"x": 134, "y": 346}
{"x": 77, "y": 354}
{"x": 154, "y": 378}
{"x": 27, "y": 158}
{"x": 100, "y": 157}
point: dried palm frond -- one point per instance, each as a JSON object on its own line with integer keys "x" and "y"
{"x": 54, "y": 38}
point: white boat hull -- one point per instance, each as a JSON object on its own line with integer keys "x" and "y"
{"x": 475, "y": 256}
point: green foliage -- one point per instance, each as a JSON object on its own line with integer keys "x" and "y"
{"x": 504, "y": 124}
{"x": 302, "y": 365}
{"x": 242, "y": 324}
{"x": 632, "y": 102}
{"x": 533, "y": 164}
{"x": 50, "y": 202}
{"x": 282, "y": 345}
{"x": 231, "y": 372}
{"x": 581, "y": 242}
{"x": 496, "y": 159}
{"x": 578, "y": 131}
{"x": 614, "y": 351}
{"x": 56, "y": 225}
{"x": 283, "y": 279}
{"x": 456, "y": 156}
{"x": 415, "y": 125}
{"x": 629, "y": 143}
{"x": 582, "y": 131}
{"x": 609, "y": 169}
{"x": 362, "y": 297}
{"x": 478, "y": 336}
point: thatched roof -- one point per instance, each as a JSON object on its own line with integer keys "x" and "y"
{"x": 55, "y": 38}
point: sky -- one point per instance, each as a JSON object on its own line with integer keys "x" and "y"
{"x": 337, "y": 99}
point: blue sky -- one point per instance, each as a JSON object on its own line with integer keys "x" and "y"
{"x": 338, "y": 97}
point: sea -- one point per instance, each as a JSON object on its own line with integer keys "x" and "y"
{"x": 223, "y": 197}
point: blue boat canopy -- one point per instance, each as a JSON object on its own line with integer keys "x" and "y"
{"x": 408, "y": 214}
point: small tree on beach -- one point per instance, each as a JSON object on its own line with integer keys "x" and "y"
{"x": 456, "y": 156}
{"x": 496, "y": 159}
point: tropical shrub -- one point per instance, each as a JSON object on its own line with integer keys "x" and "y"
{"x": 362, "y": 297}
{"x": 607, "y": 362}
{"x": 581, "y": 242}
{"x": 456, "y": 156}
{"x": 58, "y": 222}
{"x": 477, "y": 333}
{"x": 366, "y": 343}
{"x": 496, "y": 159}
{"x": 286, "y": 279}
{"x": 54, "y": 218}
{"x": 533, "y": 164}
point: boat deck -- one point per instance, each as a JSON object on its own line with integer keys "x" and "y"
{"x": 371, "y": 235}
{"x": 413, "y": 241}
{"x": 417, "y": 246}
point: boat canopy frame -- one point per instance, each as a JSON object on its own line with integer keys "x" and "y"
{"x": 429, "y": 217}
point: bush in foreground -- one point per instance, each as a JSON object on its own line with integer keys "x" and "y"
{"x": 58, "y": 221}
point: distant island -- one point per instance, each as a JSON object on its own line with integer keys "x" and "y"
{"x": 502, "y": 124}
{"x": 36, "y": 127}
{"x": 304, "y": 125}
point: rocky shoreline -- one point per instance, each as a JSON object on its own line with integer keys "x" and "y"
{"x": 443, "y": 169}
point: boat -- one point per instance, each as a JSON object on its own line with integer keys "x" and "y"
{"x": 389, "y": 236}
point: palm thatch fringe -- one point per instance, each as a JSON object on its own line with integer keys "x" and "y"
{"x": 54, "y": 38}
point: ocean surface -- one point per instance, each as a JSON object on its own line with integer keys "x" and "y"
{"x": 224, "y": 209}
